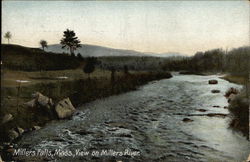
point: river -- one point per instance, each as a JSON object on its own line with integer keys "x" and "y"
{"x": 146, "y": 125}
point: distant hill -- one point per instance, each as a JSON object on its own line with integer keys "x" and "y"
{"x": 168, "y": 54}
{"x": 18, "y": 57}
{"x": 97, "y": 51}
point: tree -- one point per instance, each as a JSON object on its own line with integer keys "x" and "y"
{"x": 90, "y": 66}
{"x": 8, "y": 36}
{"x": 125, "y": 69}
{"x": 79, "y": 56}
{"x": 70, "y": 41}
{"x": 44, "y": 44}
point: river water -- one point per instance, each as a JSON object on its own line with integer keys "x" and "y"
{"x": 146, "y": 125}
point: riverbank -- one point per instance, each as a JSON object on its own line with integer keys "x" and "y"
{"x": 74, "y": 85}
{"x": 239, "y": 105}
{"x": 235, "y": 79}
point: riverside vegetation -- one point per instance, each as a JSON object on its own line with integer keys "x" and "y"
{"x": 57, "y": 85}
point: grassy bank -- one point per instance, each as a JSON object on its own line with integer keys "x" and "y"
{"x": 9, "y": 77}
{"x": 78, "y": 88}
{"x": 236, "y": 79}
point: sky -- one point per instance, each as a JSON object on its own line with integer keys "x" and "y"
{"x": 147, "y": 26}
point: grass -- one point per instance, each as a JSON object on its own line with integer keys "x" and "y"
{"x": 9, "y": 77}
{"x": 235, "y": 79}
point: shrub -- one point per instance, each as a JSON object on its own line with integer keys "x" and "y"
{"x": 239, "y": 111}
{"x": 231, "y": 91}
{"x": 90, "y": 65}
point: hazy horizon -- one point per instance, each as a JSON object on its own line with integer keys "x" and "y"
{"x": 144, "y": 26}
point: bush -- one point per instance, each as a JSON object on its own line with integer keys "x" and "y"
{"x": 231, "y": 91}
{"x": 239, "y": 111}
{"x": 90, "y": 65}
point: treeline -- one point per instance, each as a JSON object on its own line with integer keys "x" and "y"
{"x": 131, "y": 62}
{"x": 236, "y": 61}
{"x": 33, "y": 59}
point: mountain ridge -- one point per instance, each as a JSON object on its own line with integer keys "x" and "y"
{"x": 88, "y": 50}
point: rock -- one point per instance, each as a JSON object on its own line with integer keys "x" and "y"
{"x": 209, "y": 115}
{"x": 217, "y": 115}
{"x": 19, "y": 130}
{"x": 215, "y": 91}
{"x": 58, "y": 139}
{"x": 187, "y": 120}
{"x": 83, "y": 132}
{"x": 125, "y": 135}
{"x": 64, "y": 108}
{"x": 7, "y": 118}
{"x": 36, "y": 127}
{"x": 201, "y": 110}
{"x": 13, "y": 134}
{"x": 10, "y": 150}
{"x": 213, "y": 81}
{"x": 43, "y": 100}
{"x": 31, "y": 103}
{"x": 231, "y": 91}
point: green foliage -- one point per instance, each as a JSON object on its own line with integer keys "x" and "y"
{"x": 236, "y": 61}
{"x": 79, "y": 56}
{"x": 70, "y": 41}
{"x": 132, "y": 62}
{"x": 90, "y": 65}
{"x": 239, "y": 110}
{"x": 125, "y": 69}
{"x": 44, "y": 44}
{"x": 8, "y": 36}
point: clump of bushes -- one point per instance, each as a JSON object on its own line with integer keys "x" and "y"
{"x": 231, "y": 91}
{"x": 239, "y": 111}
{"x": 90, "y": 65}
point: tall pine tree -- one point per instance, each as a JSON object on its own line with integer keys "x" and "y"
{"x": 70, "y": 41}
